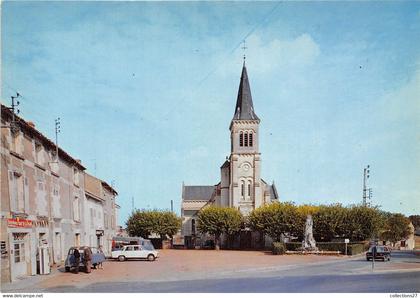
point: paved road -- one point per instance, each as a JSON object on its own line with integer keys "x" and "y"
{"x": 354, "y": 275}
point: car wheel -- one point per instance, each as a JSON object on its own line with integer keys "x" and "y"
{"x": 367, "y": 259}
{"x": 389, "y": 259}
{"x": 121, "y": 258}
{"x": 150, "y": 257}
{"x": 67, "y": 269}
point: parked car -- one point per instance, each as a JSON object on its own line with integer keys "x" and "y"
{"x": 382, "y": 252}
{"x": 135, "y": 252}
{"x": 97, "y": 257}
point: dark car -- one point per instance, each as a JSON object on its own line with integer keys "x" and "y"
{"x": 97, "y": 258}
{"x": 382, "y": 252}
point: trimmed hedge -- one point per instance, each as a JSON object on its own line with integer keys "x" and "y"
{"x": 353, "y": 248}
{"x": 278, "y": 248}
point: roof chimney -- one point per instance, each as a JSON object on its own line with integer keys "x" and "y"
{"x": 31, "y": 124}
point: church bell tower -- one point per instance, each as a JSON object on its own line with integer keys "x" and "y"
{"x": 241, "y": 185}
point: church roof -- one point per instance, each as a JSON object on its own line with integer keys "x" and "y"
{"x": 198, "y": 192}
{"x": 244, "y": 109}
{"x": 273, "y": 192}
{"x": 226, "y": 164}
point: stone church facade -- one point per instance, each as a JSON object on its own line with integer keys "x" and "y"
{"x": 241, "y": 185}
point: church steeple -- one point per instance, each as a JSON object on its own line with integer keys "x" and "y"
{"x": 244, "y": 109}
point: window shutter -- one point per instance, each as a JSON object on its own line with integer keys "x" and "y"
{"x": 12, "y": 192}
{"x": 26, "y": 194}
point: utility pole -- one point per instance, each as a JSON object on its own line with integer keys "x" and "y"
{"x": 366, "y": 192}
{"x": 172, "y": 206}
{"x": 13, "y": 125}
{"x": 14, "y": 105}
{"x": 132, "y": 204}
{"x": 57, "y": 130}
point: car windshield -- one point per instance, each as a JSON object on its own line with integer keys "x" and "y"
{"x": 71, "y": 251}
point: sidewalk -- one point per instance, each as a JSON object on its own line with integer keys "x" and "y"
{"x": 28, "y": 282}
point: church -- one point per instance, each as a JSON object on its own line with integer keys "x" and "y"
{"x": 241, "y": 185}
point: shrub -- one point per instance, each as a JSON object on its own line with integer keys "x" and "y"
{"x": 278, "y": 248}
{"x": 293, "y": 245}
{"x": 352, "y": 248}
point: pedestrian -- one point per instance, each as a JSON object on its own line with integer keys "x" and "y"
{"x": 87, "y": 259}
{"x": 100, "y": 265}
{"x": 76, "y": 255}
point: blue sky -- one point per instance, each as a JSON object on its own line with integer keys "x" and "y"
{"x": 146, "y": 92}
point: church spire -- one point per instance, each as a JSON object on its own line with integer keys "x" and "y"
{"x": 244, "y": 109}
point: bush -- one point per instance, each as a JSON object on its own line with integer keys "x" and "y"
{"x": 278, "y": 248}
{"x": 352, "y": 248}
{"x": 293, "y": 245}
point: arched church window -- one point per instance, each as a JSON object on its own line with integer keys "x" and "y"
{"x": 241, "y": 139}
{"x": 246, "y": 140}
{"x": 243, "y": 188}
{"x": 249, "y": 188}
{"x": 250, "y": 139}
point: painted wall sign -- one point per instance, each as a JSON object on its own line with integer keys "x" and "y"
{"x": 19, "y": 223}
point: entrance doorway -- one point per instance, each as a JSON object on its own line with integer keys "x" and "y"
{"x": 246, "y": 239}
{"x": 77, "y": 239}
{"x": 57, "y": 247}
{"x": 19, "y": 254}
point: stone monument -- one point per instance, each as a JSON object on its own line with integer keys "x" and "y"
{"x": 308, "y": 243}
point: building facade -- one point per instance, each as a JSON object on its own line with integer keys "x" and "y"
{"x": 241, "y": 185}
{"x": 43, "y": 200}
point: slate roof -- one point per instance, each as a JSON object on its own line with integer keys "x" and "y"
{"x": 226, "y": 164}
{"x": 198, "y": 193}
{"x": 244, "y": 109}
{"x": 273, "y": 192}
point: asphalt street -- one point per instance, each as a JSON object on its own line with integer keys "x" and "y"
{"x": 351, "y": 275}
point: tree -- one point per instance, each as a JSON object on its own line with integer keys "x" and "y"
{"x": 216, "y": 220}
{"x": 276, "y": 220}
{"x": 168, "y": 224}
{"x": 328, "y": 222}
{"x": 145, "y": 222}
{"x": 362, "y": 223}
{"x": 397, "y": 228}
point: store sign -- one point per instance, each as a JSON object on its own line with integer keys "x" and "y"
{"x": 19, "y": 223}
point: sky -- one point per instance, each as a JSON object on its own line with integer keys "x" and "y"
{"x": 146, "y": 92}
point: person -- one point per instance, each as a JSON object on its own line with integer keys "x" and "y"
{"x": 100, "y": 265}
{"x": 87, "y": 259}
{"x": 76, "y": 255}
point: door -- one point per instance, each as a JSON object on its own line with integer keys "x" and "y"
{"x": 19, "y": 261}
{"x": 129, "y": 253}
{"x": 246, "y": 239}
{"x": 57, "y": 247}
{"x": 77, "y": 239}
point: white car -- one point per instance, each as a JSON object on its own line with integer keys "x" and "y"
{"x": 135, "y": 252}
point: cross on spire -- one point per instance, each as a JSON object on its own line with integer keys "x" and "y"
{"x": 244, "y": 47}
